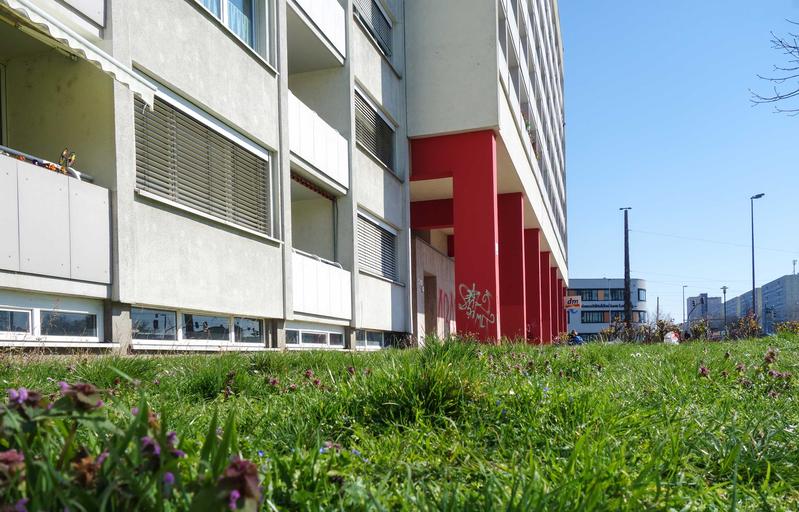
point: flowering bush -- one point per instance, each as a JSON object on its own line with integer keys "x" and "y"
{"x": 745, "y": 327}
{"x": 61, "y": 452}
{"x": 789, "y": 327}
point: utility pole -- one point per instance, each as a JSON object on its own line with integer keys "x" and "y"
{"x": 628, "y": 304}
{"x": 794, "y": 267}
{"x": 657, "y": 311}
{"x": 752, "y": 217}
{"x": 724, "y": 307}
{"x": 683, "y": 307}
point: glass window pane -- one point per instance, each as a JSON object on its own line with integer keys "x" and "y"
{"x": 360, "y": 337}
{"x": 318, "y": 338}
{"x": 59, "y": 323}
{"x": 292, "y": 337}
{"x": 205, "y": 327}
{"x": 374, "y": 338}
{"x": 153, "y": 324}
{"x": 336, "y": 339}
{"x": 240, "y": 19}
{"x": 249, "y": 330}
{"x": 15, "y": 321}
{"x": 213, "y": 6}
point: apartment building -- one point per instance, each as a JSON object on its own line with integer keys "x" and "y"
{"x": 243, "y": 176}
{"x": 706, "y": 308}
{"x": 777, "y": 301}
{"x": 602, "y": 304}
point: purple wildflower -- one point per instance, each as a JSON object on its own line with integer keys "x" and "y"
{"x": 101, "y": 458}
{"x": 274, "y": 382}
{"x": 351, "y": 370}
{"x": 20, "y": 506}
{"x": 703, "y": 371}
{"x": 134, "y": 411}
{"x": 150, "y": 447}
{"x": 169, "y": 478}
{"x": 308, "y": 373}
{"x": 17, "y": 396}
{"x": 233, "y": 499}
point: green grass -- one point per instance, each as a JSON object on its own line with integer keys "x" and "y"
{"x": 462, "y": 426}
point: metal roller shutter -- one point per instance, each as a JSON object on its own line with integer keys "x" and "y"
{"x": 185, "y": 161}
{"x": 373, "y": 17}
{"x": 373, "y": 132}
{"x": 377, "y": 249}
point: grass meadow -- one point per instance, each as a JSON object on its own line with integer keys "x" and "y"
{"x": 461, "y": 426}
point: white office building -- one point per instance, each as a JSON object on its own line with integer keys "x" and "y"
{"x": 602, "y": 304}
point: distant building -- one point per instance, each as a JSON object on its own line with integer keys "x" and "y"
{"x": 603, "y": 304}
{"x": 703, "y": 307}
{"x": 777, "y": 301}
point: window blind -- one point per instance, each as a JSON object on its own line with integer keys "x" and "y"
{"x": 377, "y": 249}
{"x": 185, "y": 161}
{"x": 373, "y": 132}
{"x": 377, "y": 23}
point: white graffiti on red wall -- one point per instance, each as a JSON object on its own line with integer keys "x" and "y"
{"x": 446, "y": 306}
{"x": 476, "y": 304}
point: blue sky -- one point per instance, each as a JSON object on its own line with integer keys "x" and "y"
{"x": 658, "y": 118}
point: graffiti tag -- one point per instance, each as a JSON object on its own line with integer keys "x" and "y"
{"x": 476, "y": 305}
{"x": 446, "y": 306}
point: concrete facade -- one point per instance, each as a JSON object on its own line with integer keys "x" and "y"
{"x": 321, "y": 100}
{"x": 777, "y": 301}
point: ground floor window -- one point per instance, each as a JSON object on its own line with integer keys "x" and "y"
{"x": 151, "y": 324}
{"x": 369, "y": 339}
{"x": 594, "y": 317}
{"x": 314, "y": 336}
{"x": 27, "y": 317}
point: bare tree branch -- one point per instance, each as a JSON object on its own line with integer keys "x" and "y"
{"x": 788, "y": 46}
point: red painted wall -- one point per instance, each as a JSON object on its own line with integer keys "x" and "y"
{"x": 513, "y": 309}
{"x": 532, "y": 274}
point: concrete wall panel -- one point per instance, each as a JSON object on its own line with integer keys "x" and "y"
{"x": 381, "y": 305}
{"x": 378, "y": 191}
{"x": 187, "y": 262}
{"x": 9, "y": 221}
{"x": 202, "y": 60}
{"x": 90, "y": 233}
{"x": 43, "y": 221}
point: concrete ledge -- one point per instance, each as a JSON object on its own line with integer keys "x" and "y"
{"x": 52, "y": 285}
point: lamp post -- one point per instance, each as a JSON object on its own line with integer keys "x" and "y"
{"x": 683, "y": 307}
{"x": 752, "y": 218}
{"x": 724, "y": 306}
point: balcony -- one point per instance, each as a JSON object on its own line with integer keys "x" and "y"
{"x": 315, "y": 35}
{"x": 317, "y": 144}
{"x": 321, "y": 287}
{"x": 52, "y": 224}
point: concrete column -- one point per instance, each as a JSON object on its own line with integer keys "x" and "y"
{"x": 562, "y": 305}
{"x": 553, "y": 289}
{"x": 477, "y": 241}
{"x": 117, "y": 325}
{"x": 513, "y": 308}
{"x": 546, "y": 299}
{"x": 532, "y": 278}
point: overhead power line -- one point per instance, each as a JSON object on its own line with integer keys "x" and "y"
{"x": 718, "y": 242}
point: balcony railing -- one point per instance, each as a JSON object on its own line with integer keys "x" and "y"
{"x": 328, "y": 16}
{"x": 317, "y": 143}
{"x": 52, "y": 224}
{"x": 321, "y": 287}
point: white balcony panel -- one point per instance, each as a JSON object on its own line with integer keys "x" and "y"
{"x": 328, "y": 16}
{"x": 43, "y": 221}
{"x": 317, "y": 143}
{"x": 320, "y": 288}
{"x": 53, "y": 225}
{"x": 89, "y": 232}
{"x": 9, "y": 221}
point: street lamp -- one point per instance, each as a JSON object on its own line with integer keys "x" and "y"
{"x": 724, "y": 306}
{"x": 683, "y": 307}
{"x": 752, "y": 217}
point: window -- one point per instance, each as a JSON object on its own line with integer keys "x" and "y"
{"x": 593, "y": 317}
{"x": 183, "y": 160}
{"x": 314, "y": 338}
{"x": 377, "y": 249}
{"x": 376, "y": 22}
{"x": 62, "y": 323}
{"x": 236, "y": 15}
{"x": 248, "y": 330}
{"x": 373, "y": 132}
{"x": 206, "y": 327}
{"x": 639, "y": 317}
{"x": 15, "y": 321}
{"x": 641, "y": 295}
{"x": 369, "y": 339}
{"x": 153, "y": 324}
{"x": 617, "y": 294}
